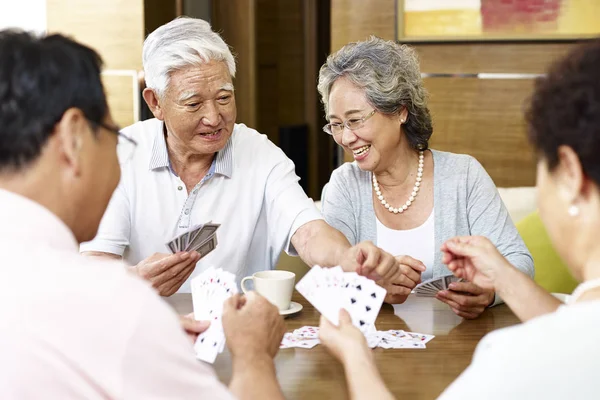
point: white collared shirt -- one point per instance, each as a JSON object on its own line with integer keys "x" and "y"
{"x": 554, "y": 356}
{"x": 252, "y": 190}
{"x": 74, "y": 327}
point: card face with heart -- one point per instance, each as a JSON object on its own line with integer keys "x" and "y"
{"x": 209, "y": 291}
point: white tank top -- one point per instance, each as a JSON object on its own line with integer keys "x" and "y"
{"x": 419, "y": 242}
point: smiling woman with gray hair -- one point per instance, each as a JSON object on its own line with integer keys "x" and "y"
{"x": 398, "y": 193}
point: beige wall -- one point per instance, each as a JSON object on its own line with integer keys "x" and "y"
{"x": 114, "y": 28}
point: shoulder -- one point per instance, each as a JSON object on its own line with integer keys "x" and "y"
{"x": 251, "y": 146}
{"x": 453, "y": 162}
{"x": 350, "y": 173}
{"x": 144, "y": 132}
{"x": 457, "y": 167}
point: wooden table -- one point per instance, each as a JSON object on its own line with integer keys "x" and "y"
{"x": 410, "y": 374}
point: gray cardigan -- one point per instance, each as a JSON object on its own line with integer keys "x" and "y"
{"x": 466, "y": 202}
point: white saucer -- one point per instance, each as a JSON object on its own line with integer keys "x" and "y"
{"x": 294, "y": 308}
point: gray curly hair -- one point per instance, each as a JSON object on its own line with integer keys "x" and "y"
{"x": 390, "y": 76}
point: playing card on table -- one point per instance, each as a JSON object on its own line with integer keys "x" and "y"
{"x": 209, "y": 291}
{"x": 330, "y": 289}
{"x": 294, "y": 340}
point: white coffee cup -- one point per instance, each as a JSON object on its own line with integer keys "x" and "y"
{"x": 275, "y": 286}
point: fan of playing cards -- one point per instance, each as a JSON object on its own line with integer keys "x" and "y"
{"x": 201, "y": 238}
{"x": 430, "y": 287}
{"x": 209, "y": 291}
{"x": 330, "y": 289}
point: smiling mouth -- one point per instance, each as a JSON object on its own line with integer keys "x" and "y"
{"x": 362, "y": 150}
{"x": 211, "y": 134}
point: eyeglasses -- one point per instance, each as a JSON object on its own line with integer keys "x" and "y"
{"x": 352, "y": 124}
{"x": 126, "y": 145}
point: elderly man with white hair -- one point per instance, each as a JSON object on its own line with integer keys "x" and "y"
{"x": 194, "y": 164}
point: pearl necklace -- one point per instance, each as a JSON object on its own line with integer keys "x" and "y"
{"x": 414, "y": 193}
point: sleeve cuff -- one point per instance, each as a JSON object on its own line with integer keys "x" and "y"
{"x": 497, "y": 300}
{"x": 116, "y": 249}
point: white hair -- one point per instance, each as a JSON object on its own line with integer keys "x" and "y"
{"x": 182, "y": 42}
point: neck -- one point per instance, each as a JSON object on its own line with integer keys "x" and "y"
{"x": 41, "y": 185}
{"x": 401, "y": 169}
{"x": 186, "y": 163}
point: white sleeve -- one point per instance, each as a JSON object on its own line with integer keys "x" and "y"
{"x": 115, "y": 227}
{"x": 287, "y": 206}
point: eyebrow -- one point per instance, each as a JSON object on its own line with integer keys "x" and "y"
{"x": 188, "y": 95}
{"x": 346, "y": 113}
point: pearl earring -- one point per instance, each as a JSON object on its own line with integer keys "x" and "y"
{"x": 573, "y": 211}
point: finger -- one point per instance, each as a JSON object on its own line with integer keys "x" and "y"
{"x": 193, "y": 326}
{"x": 464, "y": 314}
{"x": 446, "y": 300}
{"x": 173, "y": 277}
{"x": 232, "y": 304}
{"x": 166, "y": 263}
{"x": 371, "y": 256}
{"x": 412, "y": 262}
{"x": 466, "y": 287}
{"x": 410, "y": 273}
{"x": 462, "y": 247}
{"x": 464, "y": 301}
{"x": 344, "y": 317}
{"x": 397, "y": 290}
{"x": 174, "y": 284}
{"x": 387, "y": 268}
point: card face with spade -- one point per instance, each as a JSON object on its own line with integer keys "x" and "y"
{"x": 330, "y": 289}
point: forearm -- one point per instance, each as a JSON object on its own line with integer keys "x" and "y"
{"x": 524, "y": 297}
{"x": 255, "y": 379}
{"x": 317, "y": 243}
{"x": 363, "y": 379}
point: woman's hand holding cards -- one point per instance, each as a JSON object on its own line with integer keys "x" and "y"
{"x": 476, "y": 260}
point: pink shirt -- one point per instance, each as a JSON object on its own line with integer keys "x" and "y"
{"x": 72, "y": 327}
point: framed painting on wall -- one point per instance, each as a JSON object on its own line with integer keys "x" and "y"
{"x": 474, "y": 20}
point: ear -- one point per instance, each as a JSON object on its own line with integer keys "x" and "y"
{"x": 153, "y": 102}
{"x": 569, "y": 175}
{"x": 69, "y": 132}
{"x": 403, "y": 115}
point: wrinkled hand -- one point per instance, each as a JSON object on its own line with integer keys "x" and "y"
{"x": 252, "y": 326}
{"x": 167, "y": 272}
{"x": 192, "y": 327}
{"x": 369, "y": 260}
{"x": 474, "y": 259}
{"x": 343, "y": 340}
{"x": 466, "y": 299}
{"x": 400, "y": 288}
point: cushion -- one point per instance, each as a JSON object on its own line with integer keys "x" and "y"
{"x": 550, "y": 271}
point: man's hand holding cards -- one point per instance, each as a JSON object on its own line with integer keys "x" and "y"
{"x": 201, "y": 238}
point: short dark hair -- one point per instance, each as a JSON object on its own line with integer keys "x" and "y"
{"x": 40, "y": 79}
{"x": 565, "y": 109}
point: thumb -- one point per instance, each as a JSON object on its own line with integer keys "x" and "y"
{"x": 462, "y": 248}
{"x": 344, "y": 317}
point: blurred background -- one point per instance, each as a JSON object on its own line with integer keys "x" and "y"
{"x": 479, "y": 59}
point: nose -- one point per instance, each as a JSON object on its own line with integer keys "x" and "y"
{"x": 211, "y": 116}
{"x": 347, "y": 137}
